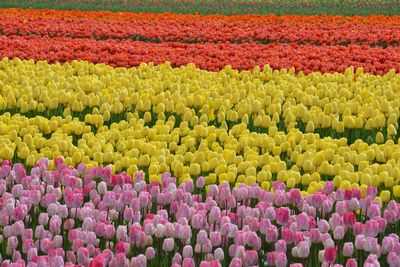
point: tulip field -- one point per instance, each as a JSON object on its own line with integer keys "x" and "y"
{"x": 134, "y": 139}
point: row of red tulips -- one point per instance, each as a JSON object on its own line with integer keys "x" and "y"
{"x": 306, "y": 58}
{"x": 204, "y": 31}
{"x": 253, "y": 18}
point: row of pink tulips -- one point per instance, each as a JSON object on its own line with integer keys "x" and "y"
{"x": 94, "y": 218}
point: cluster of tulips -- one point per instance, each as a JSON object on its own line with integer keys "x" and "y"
{"x": 91, "y": 217}
{"x": 210, "y": 56}
{"x": 129, "y": 118}
{"x": 196, "y": 28}
{"x": 352, "y": 100}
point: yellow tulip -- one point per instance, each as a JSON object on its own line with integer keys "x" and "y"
{"x": 337, "y": 180}
{"x": 385, "y": 196}
{"x": 290, "y": 182}
{"x": 23, "y": 153}
{"x": 396, "y": 191}
{"x": 250, "y": 180}
{"x": 265, "y": 185}
{"x": 30, "y": 161}
{"x": 345, "y": 185}
{"x": 230, "y": 177}
{"x": 305, "y": 179}
{"x": 389, "y": 182}
{"x": 379, "y": 138}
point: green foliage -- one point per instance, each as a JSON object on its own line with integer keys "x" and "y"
{"x": 228, "y": 7}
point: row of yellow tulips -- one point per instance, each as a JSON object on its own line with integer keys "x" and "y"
{"x": 267, "y": 98}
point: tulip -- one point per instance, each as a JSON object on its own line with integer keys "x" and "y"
{"x": 168, "y": 244}
{"x": 393, "y": 259}
{"x": 215, "y": 238}
{"x": 351, "y": 263}
{"x": 219, "y": 254}
{"x": 282, "y": 215}
{"x": 235, "y": 262}
{"x": 339, "y": 233}
{"x": 348, "y": 249}
{"x": 188, "y": 262}
{"x": 303, "y": 249}
{"x": 349, "y": 219}
{"x": 12, "y": 243}
{"x": 330, "y": 254}
{"x": 150, "y": 253}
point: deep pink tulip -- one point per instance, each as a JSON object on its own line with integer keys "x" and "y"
{"x": 330, "y": 254}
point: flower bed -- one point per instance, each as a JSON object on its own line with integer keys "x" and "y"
{"x": 93, "y": 218}
{"x": 329, "y": 30}
{"x": 190, "y": 140}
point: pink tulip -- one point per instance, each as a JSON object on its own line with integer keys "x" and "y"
{"x": 353, "y": 204}
{"x": 215, "y": 238}
{"x": 71, "y": 256}
{"x": 264, "y": 225}
{"x": 360, "y": 242}
{"x": 315, "y": 236}
{"x": 235, "y": 262}
{"x": 371, "y": 261}
{"x": 121, "y": 260}
{"x": 287, "y": 235}
{"x": 330, "y": 254}
{"x": 381, "y": 224}
{"x": 250, "y": 258}
{"x": 371, "y": 243}
{"x": 43, "y": 218}
{"x": 200, "y": 182}
{"x": 16, "y": 256}
{"x": 371, "y": 228}
{"x": 358, "y": 228}
{"x": 109, "y": 231}
{"x": 303, "y": 249}
{"x": 339, "y": 232}
{"x": 150, "y": 253}
{"x": 140, "y": 261}
{"x": 351, "y": 263}
{"x": 12, "y": 242}
{"x": 282, "y": 215}
{"x": 270, "y": 215}
{"x": 57, "y": 241}
{"x": 272, "y": 234}
{"x": 18, "y": 228}
{"x": 302, "y": 221}
{"x": 394, "y": 237}
{"x": 280, "y": 259}
{"x": 390, "y": 216}
{"x": 349, "y": 219}
{"x": 188, "y": 262}
{"x": 348, "y": 249}
{"x": 393, "y": 259}
{"x": 253, "y": 240}
{"x": 387, "y": 244}
{"x": 372, "y": 191}
{"x": 55, "y": 224}
{"x": 56, "y": 261}
{"x": 219, "y": 254}
{"x": 168, "y": 244}
{"x": 177, "y": 259}
{"x": 323, "y": 226}
{"x": 335, "y": 220}
{"x": 298, "y": 237}
{"x": 45, "y": 245}
{"x": 341, "y": 207}
{"x": 373, "y": 210}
